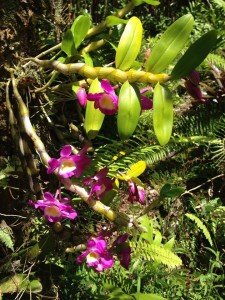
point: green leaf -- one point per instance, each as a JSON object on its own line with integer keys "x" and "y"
{"x": 151, "y": 2}
{"x": 113, "y": 20}
{"x": 171, "y": 191}
{"x": 68, "y": 43}
{"x": 170, "y": 44}
{"x": 80, "y": 29}
{"x": 201, "y": 226}
{"x": 140, "y": 296}
{"x": 162, "y": 114}
{"x": 93, "y": 117}
{"x": 136, "y": 169}
{"x": 129, "y": 44}
{"x": 195, "y": 55}
{"x": 128, "y": 111}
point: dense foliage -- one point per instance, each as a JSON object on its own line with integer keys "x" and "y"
{"x": 130, "y": 204}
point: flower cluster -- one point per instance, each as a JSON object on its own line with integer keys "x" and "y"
{"x": 100, "y": 258}
{"x": 107, "y": 101}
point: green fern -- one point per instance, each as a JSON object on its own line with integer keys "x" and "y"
{"x": 157, "y": 253}
{"x": 220, "y": 3}
{"x": 6, "y": 235}
{"x": 201, "y": 226}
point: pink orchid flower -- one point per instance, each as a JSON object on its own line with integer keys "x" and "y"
{"x": 107, "y": 101}
{"x": 69, "y": 165}
{"x": 97, "y": 256}
{"x": 54, "y": 210}
{"x": 136, "y": 193}
{"x": 123, "y": 250}
{"x": 82, "y": 96}
{"x": 100, "y": 184}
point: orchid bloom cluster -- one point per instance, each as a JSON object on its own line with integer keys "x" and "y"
{"x": 56, "y": 208}
{"x": 100, "y": 258}
{"x": 107, "y": 101}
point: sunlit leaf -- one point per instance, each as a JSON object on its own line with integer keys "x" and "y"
{"x": 93, "y": 117}
{"x": 170, "y": 44}
{"x": 195, "y": 55}
{"x": 128, "y": 111}
{"x": 162, "y": 114}
{"x": 129, "y": 44}
{"x": 80, "y": 28}
{"x": 137, "y": 169}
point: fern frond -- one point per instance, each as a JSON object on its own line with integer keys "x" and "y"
{"x": 155, "y": 252}
{"x": 6, "y": 236}
{"x": 201, "y": 226}
{"x": 220, "y": 3}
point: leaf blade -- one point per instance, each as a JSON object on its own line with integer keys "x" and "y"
{"x": 129, "y": 44}
{"x": 129, "y": 110}
{"x": 195, "y": 55}
{"x": 162, "y": 114}
{"x": 170, "y": 44}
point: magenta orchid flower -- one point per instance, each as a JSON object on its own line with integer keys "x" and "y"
{"x": 136, "y": 193}
{"x": 192, "y": 86}
{"x": 97, "y": 256}
{"x": 69, "y": 165}
{"x": 123, "y": 250}
{"x": 146, "y": 103}
{"x": 107, "y": 101}
{"x": 100, "y": 184}
{"x": 54, "y": 210}
{"x": 81, "y": 96}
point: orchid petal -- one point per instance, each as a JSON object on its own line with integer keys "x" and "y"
{"x": 66, "y": 151}
{"x": 82, "y": 97}
{"x": 105, "y": 84}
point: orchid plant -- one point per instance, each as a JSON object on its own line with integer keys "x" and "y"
{"x": 121, "y": 92}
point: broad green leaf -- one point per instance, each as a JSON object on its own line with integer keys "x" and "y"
{"x": 129, "y": 44}
{"x": 113, "y": 20}
{"x": 162, "y": 114}
{"x": 151, "y": 2}
{"x": 128, "y": 111}
{"x": 170, "y": 44}
{"x": 68, "y": 43}
{"x": 137, "y": 169}
{"x": 134, "y": 171}
{"x": 195, "y": 55}
{"x": 93, "y": 117}
{"x": 80, "y": 29}
{"x": 140, "y": 296}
